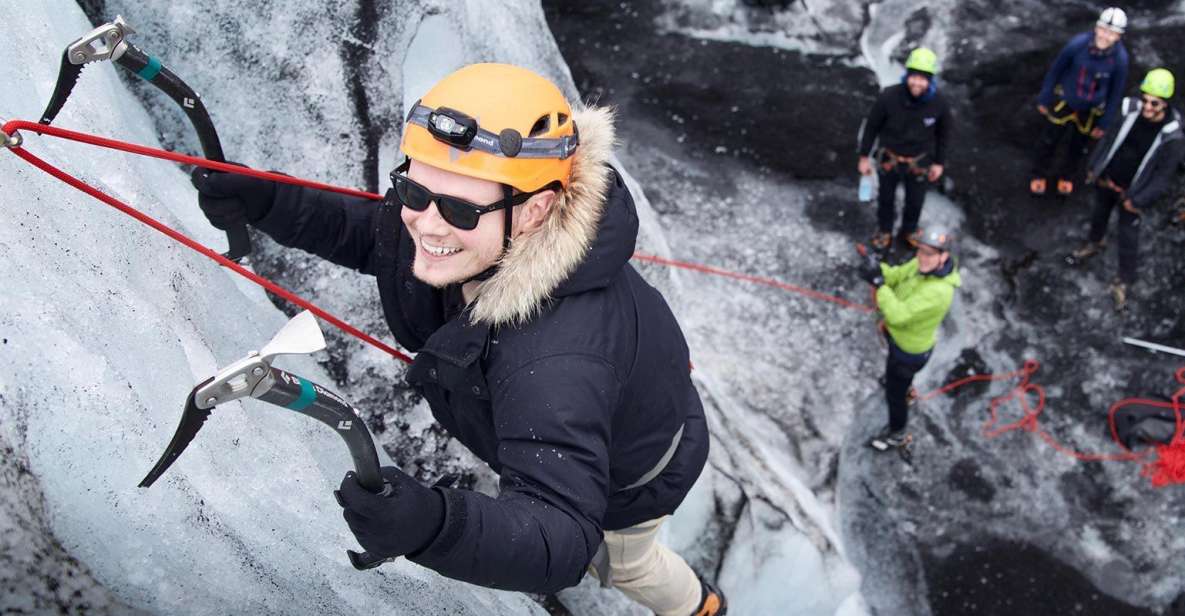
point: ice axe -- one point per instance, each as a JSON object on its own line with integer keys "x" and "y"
{"x": 254, "y": 376}
{"x": 109, "y": 42}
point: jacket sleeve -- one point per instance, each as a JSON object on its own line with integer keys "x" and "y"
{"x": 873, "y": 125}
{"x": 900, "y": 313}
{"x": 1168, "y": 159}
{"x": 941, "y": 133}
{"x": 1063, "y": 61}
{"x": 540, "y": 533}
{"x": 894, "y": 274}
{"x": 336, "y": 227}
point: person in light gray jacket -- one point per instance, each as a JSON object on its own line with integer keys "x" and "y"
{"x": 1132, "y": 167}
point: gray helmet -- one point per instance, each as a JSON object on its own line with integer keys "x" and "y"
{"x": 938, "y": 237}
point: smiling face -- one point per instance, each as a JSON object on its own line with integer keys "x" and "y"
{"x": 445, "y": 254}
{"x": 1153, "y": 108}
{"x": 917, "y": 84}
{"x": 931, "y": 259}
{"x": 1104, "y": 38}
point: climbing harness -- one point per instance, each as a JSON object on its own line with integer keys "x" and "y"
{"x": 1084, "y": 126}
{"x": 891, "y": 161}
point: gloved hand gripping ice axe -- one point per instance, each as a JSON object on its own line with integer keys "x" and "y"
{"x": 254, "y": 376}
{"x": 109, "y": 42}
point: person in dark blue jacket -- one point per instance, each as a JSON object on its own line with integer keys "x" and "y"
{"x": 502, "y": 258}
{"x": 1079, "y": 99}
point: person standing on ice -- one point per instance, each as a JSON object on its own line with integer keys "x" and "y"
{"x": 910, "y": 121}
{"x": 913, "y": 298}
{"x": 1079, "y": 99}
{"x": 502, "y": 257}
{"x": 1132, "y": 167}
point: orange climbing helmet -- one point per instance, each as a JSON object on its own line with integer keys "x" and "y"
{"x": 495, "y": 122}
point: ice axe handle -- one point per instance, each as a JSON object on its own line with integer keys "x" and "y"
{"x": 363, "y": 561}
{"x": 307, "y": 398}
{"x": 239, "y": 242}
{"x": 151, "y": 70}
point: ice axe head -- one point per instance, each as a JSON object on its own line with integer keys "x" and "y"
{"x": 300, "y": 336}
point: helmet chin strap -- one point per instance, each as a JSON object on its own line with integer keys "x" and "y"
{"x": 487, "y": 273}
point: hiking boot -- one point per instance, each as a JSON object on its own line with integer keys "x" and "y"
{"x": 712, "y": 602}
{"x": 881, "y": 240}
{"x": 889, "y": 439}
{"x": 1065, "y": 187}
{"x": 1037, "y": 186}
{"x": 1119, "y": 294}
{"x": 1088, "y": 249}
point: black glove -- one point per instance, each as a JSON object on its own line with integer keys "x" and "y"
{"x": 403, "y": 522}
{"x": 871, "y": 272}
{"x": 229, "y": 199}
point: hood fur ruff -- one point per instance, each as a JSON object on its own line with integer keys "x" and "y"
{"x": 535, "y": 265}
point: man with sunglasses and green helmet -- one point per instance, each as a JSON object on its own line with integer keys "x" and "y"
{"x": 1132, "y": 168}
{"x": 913, "y": 298}
{"x": 502, "y": 254}
{"x": 910, "y": 122}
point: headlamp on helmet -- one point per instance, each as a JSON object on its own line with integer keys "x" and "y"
{"x": 452, "y": 127}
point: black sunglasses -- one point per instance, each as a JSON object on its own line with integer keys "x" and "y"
{"x": 1154, "y": 102}
{"x": 457, "y": 212}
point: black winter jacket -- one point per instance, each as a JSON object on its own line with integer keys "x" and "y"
{"x": 569, "y": 408}
{"x": 906, "y": 125}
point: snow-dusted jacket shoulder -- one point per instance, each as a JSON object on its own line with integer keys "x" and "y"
{"x": 568, "y": 374}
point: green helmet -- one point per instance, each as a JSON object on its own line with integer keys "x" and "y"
{"x": 1159, "y": 82}
{"x": 923, "y": 60}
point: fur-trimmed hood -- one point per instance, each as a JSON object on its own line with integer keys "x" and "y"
{"x": 580, "y": 245}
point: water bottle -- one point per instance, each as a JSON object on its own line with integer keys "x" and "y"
{"x": 866, "y": 188}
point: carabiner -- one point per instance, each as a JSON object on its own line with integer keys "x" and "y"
{"x": 10, "y": 141}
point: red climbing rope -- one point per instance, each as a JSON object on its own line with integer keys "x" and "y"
{"x": 15, "y": 125}
{"x": 1167, "y": 467}
{"x": 811, "y": 293}
{"x": 11, "y": 127}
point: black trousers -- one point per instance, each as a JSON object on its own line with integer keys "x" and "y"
{"x": 915, "y": 197}
{"x": 1129, "y": 231}
{"x": 1047, "y": 164}
{"x": 900, "y": 368}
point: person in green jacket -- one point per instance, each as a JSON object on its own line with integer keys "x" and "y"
{"x": 913, "y": 299}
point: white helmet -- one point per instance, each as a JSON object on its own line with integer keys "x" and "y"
{"x": 1113, "y": 19}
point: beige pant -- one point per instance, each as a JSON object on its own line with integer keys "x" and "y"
{"x": 647, "y": 571}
